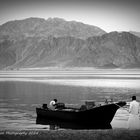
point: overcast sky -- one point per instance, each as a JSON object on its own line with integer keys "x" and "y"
{"x": 110, "y": 15}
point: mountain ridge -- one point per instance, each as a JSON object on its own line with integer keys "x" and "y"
{"x": 56, "y": 27}
{"x": 22, "y": 47}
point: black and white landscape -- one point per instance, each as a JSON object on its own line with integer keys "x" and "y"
{"x": 70, "y": 50}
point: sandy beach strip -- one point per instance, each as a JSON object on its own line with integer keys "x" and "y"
{"x": 116, "y": 134}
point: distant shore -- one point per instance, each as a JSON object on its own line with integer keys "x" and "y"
{"x": 72, "y": 69}
{"x": 113, "y": 134}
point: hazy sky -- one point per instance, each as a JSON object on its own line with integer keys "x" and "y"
{"x": 110, "y": 15}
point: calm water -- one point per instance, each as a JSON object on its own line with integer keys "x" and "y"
{"x": 22, "y": 92}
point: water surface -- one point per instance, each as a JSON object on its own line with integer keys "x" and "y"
{"x": 22, "y": 92}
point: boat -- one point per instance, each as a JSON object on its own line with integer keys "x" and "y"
{"x": 97, "y": 116}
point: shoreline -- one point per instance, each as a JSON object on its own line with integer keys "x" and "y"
{"x": 107, "y": 134}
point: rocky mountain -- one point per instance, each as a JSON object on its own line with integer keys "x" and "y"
{"x": 31, "y": 43}
{"x": 56, "y": 27}
{"x": 135, "y": 33}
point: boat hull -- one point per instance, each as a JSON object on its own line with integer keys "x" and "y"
{"x": 71, "y": 125}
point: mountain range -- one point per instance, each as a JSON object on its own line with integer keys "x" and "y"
{"x": 36, "y": 42}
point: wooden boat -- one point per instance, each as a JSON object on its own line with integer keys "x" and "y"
{"x": 97, "y": 116}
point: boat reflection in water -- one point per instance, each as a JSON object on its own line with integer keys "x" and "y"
{"x": 69, "y": 125}
{"x": 93, "y": 117}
